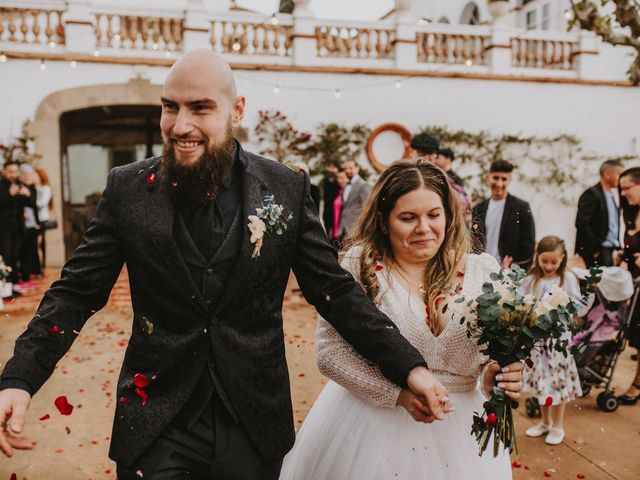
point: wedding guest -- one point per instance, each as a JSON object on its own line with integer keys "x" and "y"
{"x": 503, "y": 224}
{"x": 444, "y": 160}
{"x": 336, "y": 229}
{"x": 45, "y": 207}
{"x": 553, "y": 379}
{"x": 204, "y": 388}
{"x": 411, "y": 254}
{"x": 598, "y": 218}
{"x": 353, "y": 198}
{"x": 425, "y": 146}
{"x": 13, "y": 197}
{"x": 329, "y": 189}
{"x": 29, "y": 258}
{"x": 629, "y": 188}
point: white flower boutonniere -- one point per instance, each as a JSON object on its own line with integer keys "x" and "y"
{"x": 269, "y": 219}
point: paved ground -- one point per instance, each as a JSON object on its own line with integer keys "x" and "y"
{"x": 598, "y": 445}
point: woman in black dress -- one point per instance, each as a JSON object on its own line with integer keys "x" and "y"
{"x": 629, "y": 188}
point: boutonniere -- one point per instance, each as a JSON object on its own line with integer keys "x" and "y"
{"x": 269, "y": 219}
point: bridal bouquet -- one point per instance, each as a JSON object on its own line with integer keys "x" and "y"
{"x": 508, "y": 325}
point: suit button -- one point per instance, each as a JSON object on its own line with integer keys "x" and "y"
{"x": 208, "y": 303}
{"x": 209, "y": 271}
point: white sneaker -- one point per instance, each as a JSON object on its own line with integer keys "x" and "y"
{"x": 555, "y": 436}
{"x": 538, "y": 430}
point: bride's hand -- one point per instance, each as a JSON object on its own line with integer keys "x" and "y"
{"x": 416, "y": 407}
{"x": 509, "y": 378}
{"x": 431, "y": 397}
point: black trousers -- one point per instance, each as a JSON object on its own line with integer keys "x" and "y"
{"x": 10, "y": 246}
{"x": 213, "y": 448}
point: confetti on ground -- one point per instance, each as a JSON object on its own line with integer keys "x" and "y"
{"x": 63, "y": 405}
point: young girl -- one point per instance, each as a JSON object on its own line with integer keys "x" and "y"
{"x": 552, "y": 376}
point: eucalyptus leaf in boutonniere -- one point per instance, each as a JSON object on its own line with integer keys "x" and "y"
{"x": 269, "y": 219}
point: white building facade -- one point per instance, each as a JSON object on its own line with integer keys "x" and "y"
{"x": 65, "y": 64}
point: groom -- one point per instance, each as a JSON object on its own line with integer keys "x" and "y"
{"x": 204, "y": 387}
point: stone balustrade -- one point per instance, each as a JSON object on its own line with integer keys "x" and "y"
{"x": 41, "y": 26}
{"x": 253, "y": 38}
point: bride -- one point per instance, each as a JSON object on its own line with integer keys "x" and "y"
{"x": 411, "y": 254}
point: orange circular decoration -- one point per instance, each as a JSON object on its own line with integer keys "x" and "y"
{"x": 388, "y": 127}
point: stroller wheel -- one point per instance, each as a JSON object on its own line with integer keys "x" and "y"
{"x": 607, "y": 402}
{"x": 532, "y": 408}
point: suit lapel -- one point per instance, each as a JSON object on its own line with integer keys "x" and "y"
{"x": 253, "y": 193}
{"x": 160, "y": 216}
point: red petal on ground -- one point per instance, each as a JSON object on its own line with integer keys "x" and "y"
{"x": 13, "y": 477}
{"x": 301, "y": 374}
{"x": 46, "y": 416}
{"x": 526, "y": 467}
{"x": 68, "y": 430}
{"x": 580, "y": 475}
{"x": 140, "y": 380}
{"x": 548, "y": 402}
{"x": 516, "y": 464}
{"x": 63, "y": 405}
{"x": 547, "y": 474}
{"x": 143, "y": 395}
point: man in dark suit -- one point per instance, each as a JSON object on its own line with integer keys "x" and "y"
{"x": 503, "y": 224}
{"x": 14, "y": 196}
{"x": 204, "y": 387}
{"x": 353, "y": 198}
{"x": 598, "y": 218}
{"x": 329, "y": 188}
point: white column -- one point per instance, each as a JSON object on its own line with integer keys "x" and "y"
{"x": 197, "y": 26}
{"x": 79, "y": 29}
{"x": 304, "y": 42}
{"x": 500, "y": 50}
{"x": 586, "y": 59}
{"x": 406, "y": 49}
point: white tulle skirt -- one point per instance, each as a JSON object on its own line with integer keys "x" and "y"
{"x": 345, "y": 438}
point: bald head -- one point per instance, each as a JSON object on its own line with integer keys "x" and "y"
{"x": 205, "y": 65}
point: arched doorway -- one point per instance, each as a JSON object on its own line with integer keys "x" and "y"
{"x": 51, "y": 142}
{"x": 94, "y": 140}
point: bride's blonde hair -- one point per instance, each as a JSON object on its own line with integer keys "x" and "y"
{"x": 398, "y": 180}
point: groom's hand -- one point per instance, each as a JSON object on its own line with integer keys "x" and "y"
{"x": 426, "y": 386}
{"x": 13, "y": 406}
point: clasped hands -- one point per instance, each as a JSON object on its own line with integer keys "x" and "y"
{"x": 426, "y": 399}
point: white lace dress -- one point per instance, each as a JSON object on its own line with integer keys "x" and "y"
{"x": 355, "y": 431}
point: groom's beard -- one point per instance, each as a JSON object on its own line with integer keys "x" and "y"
{"x": 199, "y": 181}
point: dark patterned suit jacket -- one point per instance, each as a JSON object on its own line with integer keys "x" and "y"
{"x": 133, "y": 225}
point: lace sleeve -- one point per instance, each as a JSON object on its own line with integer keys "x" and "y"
{"x": 340, "y": 362}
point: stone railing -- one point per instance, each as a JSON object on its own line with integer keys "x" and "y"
{"x": 138, "y": 32}
{"x": 354, "y": 42}
{"x": 556, "y": 54}
{"x": 77, "y": 27}
{"x": 257, "y": 37}
{"x": 464, "y": 47}
{"x": 40, "y": 26}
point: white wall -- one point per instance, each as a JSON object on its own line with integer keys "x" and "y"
{"x": 605, "y": 118}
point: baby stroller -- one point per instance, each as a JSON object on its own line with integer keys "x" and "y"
{"x": 604, "y": 334}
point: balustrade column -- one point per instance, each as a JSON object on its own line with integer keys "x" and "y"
{"x": 585, "y": 61}
{"x": 304, "y": 42}
{"x": 79, "y": 29}
{"x": 197, "y": 26}
{"x": 406, "y": 47}
{"x": 499, "y": 50}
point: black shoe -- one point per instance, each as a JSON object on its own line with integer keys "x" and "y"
{"x": 629, "y": 400}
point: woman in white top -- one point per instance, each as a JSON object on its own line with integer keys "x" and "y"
{"x": 411, "y": 253}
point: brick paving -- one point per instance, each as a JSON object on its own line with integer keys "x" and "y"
{"x": 598, "y": 445}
